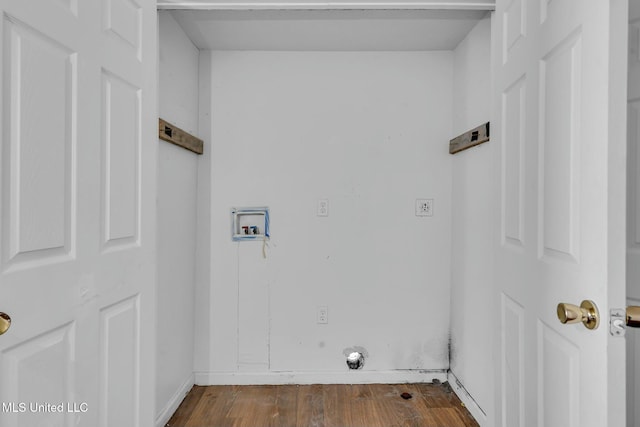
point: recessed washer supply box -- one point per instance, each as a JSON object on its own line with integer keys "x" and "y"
{"x": 249, "y": 223}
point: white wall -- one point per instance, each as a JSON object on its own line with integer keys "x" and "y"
{"x": 369, "y": 132}
{"x": 177, "y": 180}
{"x": 471, "y": 273}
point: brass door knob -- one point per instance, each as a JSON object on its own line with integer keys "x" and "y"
{"x": 633, "y": 316}
{"x": 587, "y": 313}
{"x": 5, "y": 322}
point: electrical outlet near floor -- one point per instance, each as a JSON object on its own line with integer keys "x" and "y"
{"x": 424, "y": 207}
{"x": 322, "y": 315}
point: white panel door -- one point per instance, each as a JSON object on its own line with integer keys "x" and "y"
{"x": 77, "y": 216}
{"x": 633, "y": 213}
{"x": 560, "y": 81}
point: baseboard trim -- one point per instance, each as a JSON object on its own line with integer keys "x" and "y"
{"x": 341, "y": 377}
{"x": 174, "y": 402}
{"x": 466, "y": 398}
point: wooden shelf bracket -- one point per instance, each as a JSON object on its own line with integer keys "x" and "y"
{"x": 469, "y": 139}
{"x": 175, "y": 135}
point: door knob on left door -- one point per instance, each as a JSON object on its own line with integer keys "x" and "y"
{"x": 5, "y": 322}
{"x": 587, "y": 313}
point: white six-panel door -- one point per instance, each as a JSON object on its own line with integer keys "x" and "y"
{"x": 559, "y": 69}
{"x": 77, "y": 215}
{"x": 633, "y": 212}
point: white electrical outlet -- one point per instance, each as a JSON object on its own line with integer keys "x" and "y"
{"x": 323, "y": 207}
{"x": 322, "y": 315}
{"x": 424, "y": 207}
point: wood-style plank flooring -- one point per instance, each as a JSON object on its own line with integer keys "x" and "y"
{"x": 361, "y": 405}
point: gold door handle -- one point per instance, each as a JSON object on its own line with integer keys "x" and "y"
{"x": 5, "y": 322}
{"x": 633, "y": 316}
{"x": 587, "y": 313}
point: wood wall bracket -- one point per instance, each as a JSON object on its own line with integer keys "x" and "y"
{"x": 469, "y": 139}
{"x": 175, "y": 135}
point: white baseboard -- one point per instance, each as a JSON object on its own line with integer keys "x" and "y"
{"x": 475, "y": 410}
{"x": 340, "y": 377}
{"x": 174, "y": 402}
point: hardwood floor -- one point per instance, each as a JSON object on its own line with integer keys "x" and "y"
{"x": 360, "y": 405}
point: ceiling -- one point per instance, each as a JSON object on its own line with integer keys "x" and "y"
{"x": 327, "y": 30}
{"x": 327, "y": 4}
